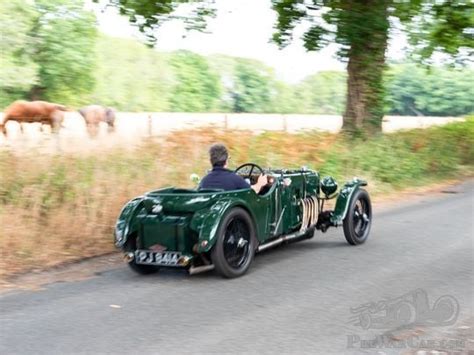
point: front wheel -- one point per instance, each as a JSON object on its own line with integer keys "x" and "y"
{"x": 235, "y": 246}
{"x": 358, "y": 218}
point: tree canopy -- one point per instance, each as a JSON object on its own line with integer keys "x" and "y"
{"x": 47, "y": 50}
{"x": 415, "y": 90}
{"x": 16, "y": 50}
{"x": 197, "y": 87}
{"x": 51, "y": 50}
{"x": 360, "y": 28}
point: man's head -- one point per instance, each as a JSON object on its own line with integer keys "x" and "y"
{"x": 218, "y": 155}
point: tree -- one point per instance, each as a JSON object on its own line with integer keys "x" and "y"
{"x": 143, "y": 81}
{"x": 196, "y": 87}
{"x": 64, "y": 36}
{"x": 284, "y": 98}
{"x": 47, "y": 50}
{"x": 414, "y": 90}
{"x": 18, "y": 70}
{"x": 322, "y": 93}
{"x": 251, "y": 91}
{"x": 360, "y": 27}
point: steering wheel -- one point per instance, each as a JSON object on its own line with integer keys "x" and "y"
{"x": 246, "y": 170}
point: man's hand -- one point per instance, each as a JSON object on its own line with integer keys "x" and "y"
{"x": 261, "y": 182}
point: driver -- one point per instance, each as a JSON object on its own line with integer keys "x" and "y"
{"x": 222, "y": 178}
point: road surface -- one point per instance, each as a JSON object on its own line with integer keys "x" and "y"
{"x": 299, "y": 298}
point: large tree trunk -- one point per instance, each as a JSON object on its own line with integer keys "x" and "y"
{"x": 365, "y": 97}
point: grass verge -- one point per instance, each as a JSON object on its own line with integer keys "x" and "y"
{"x": 59, "y": 208}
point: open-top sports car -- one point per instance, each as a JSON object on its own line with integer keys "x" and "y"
{"x": 203, "y": 229}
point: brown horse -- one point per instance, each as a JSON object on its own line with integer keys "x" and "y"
{"x": 34, "y": 111}
{"x": 94, "y": 114}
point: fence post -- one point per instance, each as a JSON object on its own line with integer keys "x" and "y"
{"x": 150, "y": 125}
{"x": 285, "y": 124}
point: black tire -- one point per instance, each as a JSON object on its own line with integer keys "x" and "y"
{"x": 358, "y": 219}
{"x": 138, "y": 268}
{"x": 236, "y": 243}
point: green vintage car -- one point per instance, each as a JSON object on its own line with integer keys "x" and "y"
{"x": 200, "y": 230}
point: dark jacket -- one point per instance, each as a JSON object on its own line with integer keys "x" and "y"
{"x": 221, "y": 178}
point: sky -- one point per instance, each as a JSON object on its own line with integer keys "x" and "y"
{"x": 242, "y": 28}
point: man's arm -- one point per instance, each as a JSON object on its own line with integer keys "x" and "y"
{"x": 261, "y": 182}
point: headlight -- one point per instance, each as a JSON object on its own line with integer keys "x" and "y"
{"x": 328, "y": 186}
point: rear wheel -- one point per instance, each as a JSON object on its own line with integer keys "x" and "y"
{"x": 235, "y": 246}
{"x": 358, "y": 218}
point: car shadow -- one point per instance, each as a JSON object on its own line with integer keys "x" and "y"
{"x": 270, "y": 256}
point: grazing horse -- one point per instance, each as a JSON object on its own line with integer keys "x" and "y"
{"x": 34, "y": 111}
{"x": 94, "y": 114}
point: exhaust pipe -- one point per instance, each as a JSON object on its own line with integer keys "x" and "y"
{"x": 286, "y": 238}
{"x": 198, "y": 269}
{"x": 270, "y": 244}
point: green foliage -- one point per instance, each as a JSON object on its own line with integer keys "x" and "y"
{"x": 47, "y": 51}
{"x": 395, "y": 160}
{"x": 250, "y": 86}
{"x": 251, "y": 91}
{"x": 149, "y": 15}
{"x": 131, "y": 76}
{"x": 65, "y": 36}
{"x": 414, "y": 90}
{"x": 443, "y": 26}
{"x": 196, "y": 87}
{"x": 361, "y": 28}
{"x": 322, "y": 93}
{"x": 284, "y": 98}
{"x": 18, "y": 70}
{"x": 50, "y": 50}
{"x": 431, "y": 25}
{"x": 63, "y": 207}
{"x": 407, "y": 158}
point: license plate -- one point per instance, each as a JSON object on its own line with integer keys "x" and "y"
{"x": 165, "y": 258}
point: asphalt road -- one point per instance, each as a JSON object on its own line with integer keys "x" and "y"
{"x": 295, "y": 299}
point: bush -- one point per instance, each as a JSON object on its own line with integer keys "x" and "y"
{"x": 59, "y": 208}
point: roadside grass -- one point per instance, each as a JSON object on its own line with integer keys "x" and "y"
{"x": 60, "y": 208}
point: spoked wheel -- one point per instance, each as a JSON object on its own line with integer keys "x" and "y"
{"x": 358, "y": 218}
{"x": 235, "y": 246}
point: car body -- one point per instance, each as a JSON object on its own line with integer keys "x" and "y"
{"x": 201, "y": 229}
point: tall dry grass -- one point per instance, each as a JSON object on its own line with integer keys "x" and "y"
{"x": 59, "y": 208}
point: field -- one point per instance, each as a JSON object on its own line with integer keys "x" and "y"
{"x": 56, "y": 208}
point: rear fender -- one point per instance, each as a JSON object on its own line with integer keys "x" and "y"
{"x": 126, "y": 222}
{"x": 344, "y": 199}
{"x": 206, "y": 222}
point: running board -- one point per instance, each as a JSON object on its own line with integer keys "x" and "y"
{"x": 285, "y": 238}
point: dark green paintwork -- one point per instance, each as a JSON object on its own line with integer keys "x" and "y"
{"x": 343, "y": 199}
{"x": 180, "y": 219}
